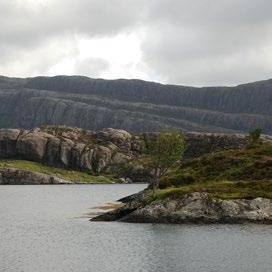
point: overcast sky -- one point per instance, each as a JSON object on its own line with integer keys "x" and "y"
{"x": 188, "y": 42}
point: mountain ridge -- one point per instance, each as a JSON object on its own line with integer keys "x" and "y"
{"x": 134, "y": 105}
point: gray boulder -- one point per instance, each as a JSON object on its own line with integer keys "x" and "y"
{"x": 32, "y": 145}
{"x": 52, "y": 151}
{"x": 86, "y": 159}
{"x": 101, "y": 158}
{"x": 119, "y": 137}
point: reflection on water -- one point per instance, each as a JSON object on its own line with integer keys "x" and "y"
{"x": 42, "y": 229}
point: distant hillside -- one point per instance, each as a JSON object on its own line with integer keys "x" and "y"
{"x": 134, "y": 105}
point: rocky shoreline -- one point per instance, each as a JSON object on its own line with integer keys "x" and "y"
{"x": 11, "y": 176}
{"x": 196, "y": 208}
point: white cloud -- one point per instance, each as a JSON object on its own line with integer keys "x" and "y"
{"x": 118, "y": 56}
{"x": 92, "y": 67}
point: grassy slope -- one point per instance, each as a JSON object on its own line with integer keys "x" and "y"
{"x": 229, "y": 174}
{"x": 74, "y": 176}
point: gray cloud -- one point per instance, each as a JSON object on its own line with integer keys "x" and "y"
{"x": 30, "y": 30}
{"x": 28, "y": 23}
{"x": 209, "y": 43}
{"x": 200, "y": 42}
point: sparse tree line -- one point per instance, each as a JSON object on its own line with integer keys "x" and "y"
{"x": 166, "y": 150}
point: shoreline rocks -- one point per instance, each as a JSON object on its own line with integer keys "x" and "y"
{"x": 196, "y": 208}
{"x": 12, "y": 176}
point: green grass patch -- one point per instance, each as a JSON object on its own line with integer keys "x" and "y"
{"x": 232, "y": 174}
{"x": 70, "y": 175}
{"x": 224, "y": 189}
{"x": 240, "y": 164}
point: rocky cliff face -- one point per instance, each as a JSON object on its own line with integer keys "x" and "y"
{"x": 192, "y": 208}
{"x": 95, "y": 152}
{"x": 133, "y": 105}
{"x": 67, "y": 147}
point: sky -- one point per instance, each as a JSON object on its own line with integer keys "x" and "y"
{"x": 186, "y": 42}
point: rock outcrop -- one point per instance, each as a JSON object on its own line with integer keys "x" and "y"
{"x": 10, "y": 176}
{"x": 191, "y": 208}
{"x": 68, "y": 147}
{"x": 198, "y": 144}
{"x": 97, "y": 152}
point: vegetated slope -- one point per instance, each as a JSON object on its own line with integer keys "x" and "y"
{"x": 134, "y": 105}
{"x": 64, "y": 174}
{"x": 233, "y": 186}
{"x": 237, "y": 173}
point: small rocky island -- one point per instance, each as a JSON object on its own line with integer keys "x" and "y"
{"x": 231, "y": 186}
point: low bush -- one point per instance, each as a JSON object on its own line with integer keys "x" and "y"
{"x": 182, "y": 179}
{"x": 165, "y": 183}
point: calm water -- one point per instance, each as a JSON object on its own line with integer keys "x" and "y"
{"x": 42, "y": 228}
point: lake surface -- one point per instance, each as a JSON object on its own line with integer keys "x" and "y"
{"x": 44, "y": 228}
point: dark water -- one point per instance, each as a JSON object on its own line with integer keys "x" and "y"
{"x": 40, "y": 230}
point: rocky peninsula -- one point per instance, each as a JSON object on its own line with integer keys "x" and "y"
{"x": 197, "y": 207}
{"x": 233, "y": 186}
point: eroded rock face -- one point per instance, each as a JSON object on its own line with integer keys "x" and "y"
{"x": 119, "y": 137}
{"x": 68, "y": 147}
{"x": 52, "y": 151}
{"x": 86, "y": 159}
{"x": 192, "y": 208}
{"x": 101, "y": 158}
{"x": 198, "y": 144}
{"x": 8, "y": 139}
{"x": 32, "y": 145}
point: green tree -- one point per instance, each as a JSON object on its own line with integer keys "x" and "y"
{"x": 163, "y": 151}
{"x": 254, "y": 135}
